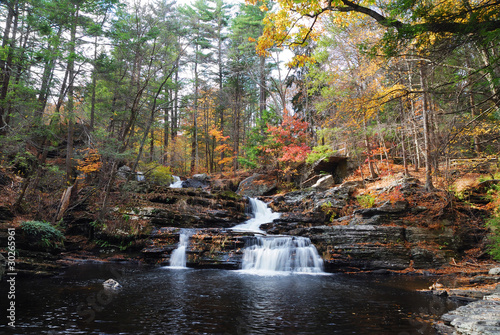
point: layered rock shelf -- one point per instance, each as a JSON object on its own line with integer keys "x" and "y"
{"x": 369, "y": 239}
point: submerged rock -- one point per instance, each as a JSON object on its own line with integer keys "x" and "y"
{"x": 111, "y": 284}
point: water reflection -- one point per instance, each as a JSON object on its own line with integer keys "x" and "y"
{"x": 167, "y": 301}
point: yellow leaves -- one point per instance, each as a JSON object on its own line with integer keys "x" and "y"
{"x": 300, "y": 60}
{"x": 91, "y": 162}
{"x": 251, "y": 39}
{"x": 263, "y": 8}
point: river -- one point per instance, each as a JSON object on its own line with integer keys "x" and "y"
{"x": 209, "y": 301}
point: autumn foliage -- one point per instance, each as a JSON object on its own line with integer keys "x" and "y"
{"x": 287, "y": 142}
{"x": 90, "y": 163}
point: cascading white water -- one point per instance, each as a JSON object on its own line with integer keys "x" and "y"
{"x": 261, "y": 214}
{"x": 177, "y": 182}
{"x": 178, "y": 257}
{"x": 278, "y": 254}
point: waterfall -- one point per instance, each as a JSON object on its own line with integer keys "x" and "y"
{"x": 178, "y": 256}
{"x": 261, "y": 214}
{"x": 177, "y": 182}
{"x": 140, "y": 176}
{"x": 281, "y": 254}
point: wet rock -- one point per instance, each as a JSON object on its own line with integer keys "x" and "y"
{"x": 207, "y": 247}
{"x": 484, "y": 280}
{"x": 440, "y": 293}
{"x": 195, "y": 183}
{"x": 225, "y": 184}
{"x": 478, "y": 317}
{"x": 112, "y": 284}
{"x": 494, "y": 272}
{"x": 365, "y": 247}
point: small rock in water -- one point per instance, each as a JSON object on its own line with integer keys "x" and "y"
{"x": 112, "y": 284}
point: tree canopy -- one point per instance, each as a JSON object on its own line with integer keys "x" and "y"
{"x": 203, "y": 87}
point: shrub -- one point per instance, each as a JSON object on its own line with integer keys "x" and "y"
{"x": 366, "y": 200}
{"x": 494, "y": 248}
{"x": 43, "y": 234}
{"x": 319, "y": 152}
{"x": 158, "y": 174}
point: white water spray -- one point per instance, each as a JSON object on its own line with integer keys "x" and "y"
{"x": 270, "y": 255}
{"x": 177, "y": 182}
{"x": 261, "y": 214}
{"x": 178, "y": 257}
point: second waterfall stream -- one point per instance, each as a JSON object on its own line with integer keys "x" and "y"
{"x": 271, "y": 255}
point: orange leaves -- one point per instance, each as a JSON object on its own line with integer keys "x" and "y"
{"x": 217, "y": 134}
{"x": 91, "y": 161}
{"x": 295, "y": 153}
{"x": 222, "y": 147}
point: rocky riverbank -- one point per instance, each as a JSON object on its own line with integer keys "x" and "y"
{"x": 405, "y": 228}
{"x": 481, "y": 315}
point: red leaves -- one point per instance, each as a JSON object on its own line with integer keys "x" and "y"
{"x": 295, "y": 153}
{"x": 287, "y": 142}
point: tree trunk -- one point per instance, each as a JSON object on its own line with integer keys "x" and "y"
{"x": 71, "y": 112}
{"x": 8, "y": 42}
{"x": 194, "y": 140}
{"x": 369, "y": 152}
{"x": 425, "y": 114}
{"x": 403, "y": 138}
{"x": 262, "y": 85}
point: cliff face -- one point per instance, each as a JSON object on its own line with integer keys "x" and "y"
{"x": 403, "y": 227}
{"x": 395, "y": 234}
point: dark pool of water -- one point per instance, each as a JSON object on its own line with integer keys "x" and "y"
{"x": 167, "y": 301}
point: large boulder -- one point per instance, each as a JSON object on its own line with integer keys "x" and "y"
{"x": 197, "y": 181}
{"x": 258, "y": 185}
{"x": 324, "y": 183}
{"x": 337, "y": 166}
{"x": 124, "y": 172}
